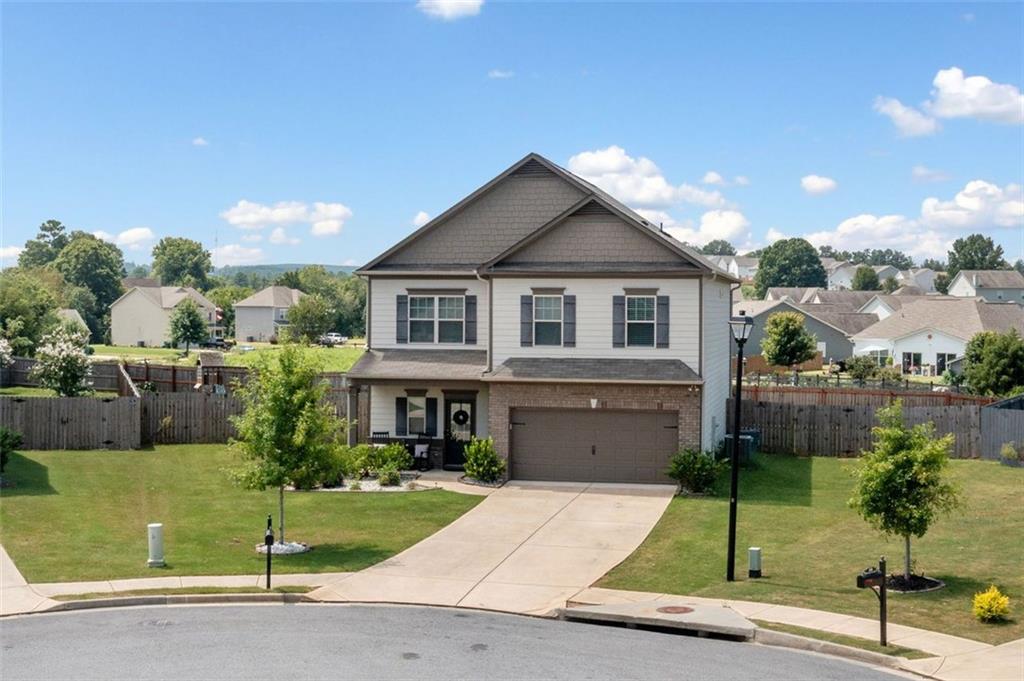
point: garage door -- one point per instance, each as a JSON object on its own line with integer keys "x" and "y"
{"x": 588, "y": 445}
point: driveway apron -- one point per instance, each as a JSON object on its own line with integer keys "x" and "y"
{"x": 526, "y": 548}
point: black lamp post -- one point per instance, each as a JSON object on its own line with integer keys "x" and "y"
{"x": 740, "y": 326}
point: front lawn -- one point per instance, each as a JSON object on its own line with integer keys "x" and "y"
{"x": 814, "y": 546}
{"x": 340, "y": 358}
{"x": 137, "y": 354}
{"x": 73, "y": 516}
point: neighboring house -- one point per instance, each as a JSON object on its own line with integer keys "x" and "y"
{"x": 831, "y": 325}
{"x": 795, "y": 294}
{"x": 838, "y": 273}
{"x": 69, "y": 314}
{"x": 923, "y": 335}
{"x": 992, "y": 285}
{"x": 542, "y": 312}
{"x": 849, "y": 300}
{"x": 922, "y": 278}
{"x": 884, "y": 304}
{"x": 264, "y": 314}
{"x": 142, "y": 315}
{"x": 884, "y": 272}
{"x": 743, "y": 267}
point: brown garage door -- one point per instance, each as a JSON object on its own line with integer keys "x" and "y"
{"x": 588, "y": 445}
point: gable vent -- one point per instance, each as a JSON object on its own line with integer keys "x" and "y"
{"x": 593, "y": 208}
{"x": 531, "y": 169}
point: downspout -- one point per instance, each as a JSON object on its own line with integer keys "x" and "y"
{"x": 490, "y": 318}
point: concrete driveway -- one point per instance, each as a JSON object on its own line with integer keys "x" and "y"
{"x": 526, "y": 548}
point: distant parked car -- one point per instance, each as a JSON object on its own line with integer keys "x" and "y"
{"x": 333, "y": 338}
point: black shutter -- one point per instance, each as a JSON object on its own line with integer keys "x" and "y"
{"x": 618, "y": 321}
{"x": 432, "y": 416}
{"x": 401, "y": 416}
{"x": 526, "y": 321}
{"x": 569, "y": 321}
{"x": 402, "y": 319}
{"x": 470, "y": 320}
{"x": 662, "y": 317}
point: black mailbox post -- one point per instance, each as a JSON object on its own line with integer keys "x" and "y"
{"x": 874, "y": 579}
{"x": 268, "y": 540}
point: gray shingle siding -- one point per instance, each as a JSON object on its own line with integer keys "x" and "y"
{"x": 593, "y": 238}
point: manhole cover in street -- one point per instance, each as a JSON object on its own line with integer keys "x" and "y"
{"x": 675, "y": 609}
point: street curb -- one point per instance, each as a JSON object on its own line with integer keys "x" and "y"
{"x": 781, "y": 639}
{"x": 178, "y": 599}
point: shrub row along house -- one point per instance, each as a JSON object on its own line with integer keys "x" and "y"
{"x": 544, "y": 313}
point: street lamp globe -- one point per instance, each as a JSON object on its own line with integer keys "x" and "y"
{"x": 741, "y": 326}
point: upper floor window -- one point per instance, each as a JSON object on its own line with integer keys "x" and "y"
{"x": 547, "y": 320}
{"x": 437, "y": 319}
{"x": 640, "y": 319}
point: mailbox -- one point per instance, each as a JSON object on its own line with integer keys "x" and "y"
{"x": 870, "y": 578}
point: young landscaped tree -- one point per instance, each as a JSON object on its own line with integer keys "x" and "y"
{"x": 188, "y": 325}
{"x": 786, "y": 341}
{"x": 287, "y": 433}
{"x": 994, "y": 363}
{"x": 901, "y": 482}
{"x": 61, "y": 362}
{"x": 865, "y": 279}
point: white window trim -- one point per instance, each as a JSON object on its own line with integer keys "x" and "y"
{"x": 560, "y": 320}
{"x": 653, "y": 323}
{"x": 437, "y": 321}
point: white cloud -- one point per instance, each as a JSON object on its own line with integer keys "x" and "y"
{"x": 449, "y": 10}
{"x": 921, "y": 173}
{"x": 236, "y": 254}
{"x": 957, "y": 96}
{"x": 279, "y": 236}
{"x": 420, "y": 219}
{"x": 134, "y": 239}
{"x": 350, "y": 262}
{"x": 252, "y": 238}
{"x": 908, "y": 120}
{"x": 10, "y": 253}
{"x": 325, "y": 219}
{"x": 200, "y": 142}
{"x": 773, "y": 235}
{"x": 711, "y": 177}
{"x": 817, "y": 184}
{"x": 637, "y": 181}
{"x": 979, "y": 205}
{"x": 741, "y": 180}
{"x": 730, "y": 225}
{"x": 500, "y": 74}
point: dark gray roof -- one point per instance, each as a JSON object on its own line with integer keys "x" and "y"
{"x": 583, "y": 370}
{"x": 851, "y": 300}
{"x": 841, "y": 317}
{"x": 795, "y": 293}
{"x": 447, "y": 365}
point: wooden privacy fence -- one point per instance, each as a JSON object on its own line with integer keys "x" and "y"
{"x": 127, "y": 422}
{"x": 104, "y": 374}
{"x": 73, "y": 422}
{"x": 857, "y": 397}
{"x": 828, "y": 430}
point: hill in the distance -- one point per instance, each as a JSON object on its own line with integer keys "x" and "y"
{"x": 272, "y": 271}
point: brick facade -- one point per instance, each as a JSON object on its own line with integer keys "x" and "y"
{"x": 506, "y": 396}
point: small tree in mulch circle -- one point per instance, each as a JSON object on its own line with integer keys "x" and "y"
{"x": 62, "y": 364}
{"x": 287, "y": 434}
{"x": 901, "y": 483}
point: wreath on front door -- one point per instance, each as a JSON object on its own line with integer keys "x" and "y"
{"x": 461, "y": 417}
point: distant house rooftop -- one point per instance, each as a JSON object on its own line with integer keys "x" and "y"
{"x": 957, "y": 317}
{"x": 272, "y": 296}
{"x": 993, "y": 278}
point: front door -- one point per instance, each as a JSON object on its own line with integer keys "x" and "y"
{"x": 459, "y": 428}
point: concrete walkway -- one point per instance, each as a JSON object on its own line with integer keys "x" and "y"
{"x": 16, "y": 596}
{"x": 527, "y": 548}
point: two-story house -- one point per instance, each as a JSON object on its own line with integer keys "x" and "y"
{"x": 542, "y": 312}
{"x": 263, "y": 315}
{"x": 142, "y": 316}
{"x": 996, "y": 286}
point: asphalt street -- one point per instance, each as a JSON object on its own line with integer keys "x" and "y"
{"x": 377, "y": 642}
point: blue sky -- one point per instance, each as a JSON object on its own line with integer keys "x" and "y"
{"x": 320, "y": 132}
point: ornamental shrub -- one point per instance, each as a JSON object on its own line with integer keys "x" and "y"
{"x": 350, "y": 462}
{"x": 991, "y": 605}
{"x": 9, "y": 441}
{"x": 861, "y": 367}
{"x": 482, "y": 461}
{"x": 388, "y": 476}
{"x": 695, "y": 471}
{"x": 394, "y": 455}
{"x": 6, "y": 354}
{"x": 62, "y": 365}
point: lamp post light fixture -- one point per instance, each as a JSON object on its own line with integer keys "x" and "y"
{"x": 740, "y": 326}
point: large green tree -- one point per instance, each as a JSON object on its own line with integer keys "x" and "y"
{"x": 786, "y": 340}
{"x": 994, "y": 363}
{"x": 287, "y": 434}
{"x": 97, "y": 266}
{"x": 181, "y": 262}
{"x": 789, "y": 262}
{"x": 187, "y": 325}
{"x": 225, "y": 298}
{"x": 27, "y": 310}
{"x": 901, "y": 484}
{"x": 975, "y": 252}
{"x": 309, "y": 319}
{"x": 865, "y": 279}
{"x": 44, "y": 249}
{"x": 718, "y": 247}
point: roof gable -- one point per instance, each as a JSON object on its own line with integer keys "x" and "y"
{"x": 272, "y": 296}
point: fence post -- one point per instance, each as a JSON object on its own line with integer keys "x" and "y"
{"x": 174, "y": 378}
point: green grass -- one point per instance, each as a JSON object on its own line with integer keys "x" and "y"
{"x": 137, "y": 354}
{"x": 82, "y": 515}
{"x": 852, "y": 641}
{"x": 182, "y": 591}
{"x": 814, "y": 545}
{"x": 25, "y": 391}
{"x": 333, "y": 359}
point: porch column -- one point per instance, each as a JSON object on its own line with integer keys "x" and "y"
{"x": 352, "y": 414}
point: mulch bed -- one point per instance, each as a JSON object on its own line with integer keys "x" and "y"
{"x": 917, "y": 584}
